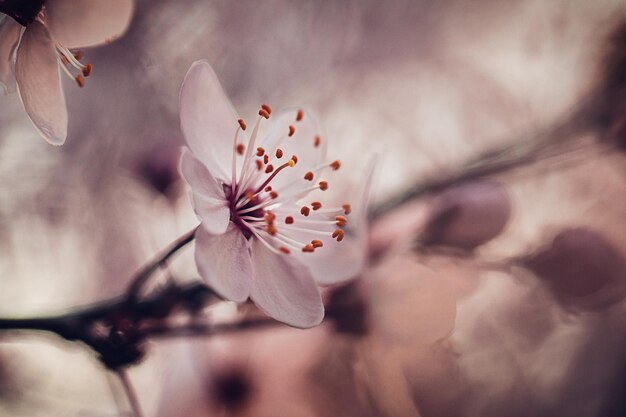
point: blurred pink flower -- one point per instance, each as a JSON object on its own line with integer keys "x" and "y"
{"x": 257, "y": 238}
{"x": 52, "y": 28}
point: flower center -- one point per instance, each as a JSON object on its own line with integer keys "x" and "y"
{"x": 270, "y": 211}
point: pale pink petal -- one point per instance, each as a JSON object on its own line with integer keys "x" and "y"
{"x": 302, "y": 144}
{"x": 39, "y": 85}
{"x": 9, "y": 36}
{"x": 84, "y": 23}
{"x": 208, "y": 120}
{"x": 208, "y": 197}
{"x": 224, "y": 262}
{"x": 284, "y": 288}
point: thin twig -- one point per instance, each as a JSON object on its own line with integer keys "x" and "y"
{"x": 141, "y": 278}
{"x": 133, "y": 400}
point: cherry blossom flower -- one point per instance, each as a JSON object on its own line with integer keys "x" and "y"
{"x": 31, "y": 58}
{"x": 261, "y": 232}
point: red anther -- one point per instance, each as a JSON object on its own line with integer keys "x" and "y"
{"x": 270, "y": 217}
{"x": 308, "y": 248}
{"x": 260, "y": 151}
{"x": 266, "y": 159}
{"x": 292, "y": 130}
{"x": 316, "y": 205}
{"x": 242, "y": 124}
{"x": 274, "y": 194}
{"x": 78, "y": 55}
{"x": 264, "y": 113}
{"x": 317, "y": 141}
{"x": 308, "y": 176}
{"x": 259, "y": 164}
{"x": 341, "y": 221}
{"x": 268, "y": 188}
{"x": 267, "y": 108}
{"x": 86, "y": 70}
{"x": 317, "y": 243}
{"x": 305, "y": 211}
{"x": 335, "y": 165}
{"x": 80, "y": 80}
{"x": 269, "y": 168}
{"x": 289, "y": 220}
{"x": 240, "y": 148}
{"x": 294, "y": 159}
{"x": 299, "y": 116}
{"x": 347, "y": 209}
{"x": 284, "y": 250}
{"x": 279, "y": 153}
{"x": 271, "y": 229}
{"x": 323, "y": 185}
{"x": 339, "y": 235}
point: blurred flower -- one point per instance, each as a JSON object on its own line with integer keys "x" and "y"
{"x": 53, "y": 27}
{"x": 257, "y": 238}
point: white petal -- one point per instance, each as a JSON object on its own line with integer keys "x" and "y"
{"x": 301, "y": 144}
{"x": 84, "y": 23}
{"x": 208, "y": 196}
{"x": 208, "y": 120}
{"x": 9, "y": 36}
{"x": 224, "y": 262}
{"x": 37, "y": 75}
{"x": 284, "y": 288}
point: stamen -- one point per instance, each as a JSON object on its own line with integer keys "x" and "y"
{"x": 269, "y": 168}
{"x": 305, "y": 211}
{"x": 338, "y": 234}
{"x": 347, "y": 208}
{"x": 264, "y": 113}
{"x": 308, "y": 248}
{"x": 341, "y": 221}
{"x": 274, "y": 195}
{"x": 268, "y": 189}
{"x": 289, "y": 163}
{"x": 289, "y": 220}
{"x": 80, "y": 80}
{"x": 292, "y": 130}
{"x": 266, "y": 159}
{"x": 335, "y": 165}
{"x": 242, "y": 124}
{"x": 240, "y": 148}
{"x": 270, "y": 216}
{"x": 279, "y": 153}
{"x": 86, "y": 70}
{"x": 316, "y": 205}
{"x": 259, "y": 164}
{"x": 271, "y": 229}
{"x": 317, "y": 243}
{"x": 323, "y": 185}
{"x": 284, "y": 250}
{"x": 260, "y": 151}
{"x": 308, "y": 176}
{"x": 294, "y": 158}
{"x": 267, "y": 108}
{"x": 299, "y": 116}
{"x": 317, "y": 141}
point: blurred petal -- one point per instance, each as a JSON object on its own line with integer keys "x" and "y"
{"x": 224, "y": 262}
{"x": 284, "y": 288}
{"x": 208, "y": 120}
{"x": 302, "y": 144}
{"x": 37, "y": 75}
{"x": 209, "y": 201}
{"x": 9, "y": 36}
{"x": 84, "y": 23}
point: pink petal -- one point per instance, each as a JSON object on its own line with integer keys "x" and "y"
{"x": 301, "y": 144}
{"x": 84, "y": 23}
{"x": 9, "y": 36}
{"x": 207, "y": 194}
{"x": 208, "y": 120}
{"x": 37, "y": 75}
{"x": 224, "y": 262}
{"x": 284, "y": 288}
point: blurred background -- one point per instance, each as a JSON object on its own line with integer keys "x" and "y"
{"x": 497, "y": 287}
